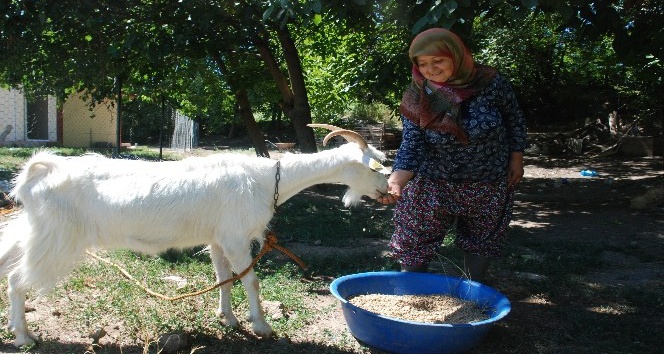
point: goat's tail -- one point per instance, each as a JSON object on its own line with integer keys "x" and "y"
{"x": 35, "y": 170}
{"x": 33, "y": 260}
{"x": 10, "y": 251}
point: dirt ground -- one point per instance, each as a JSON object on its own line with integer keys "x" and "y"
{"x": 554, "y": 204}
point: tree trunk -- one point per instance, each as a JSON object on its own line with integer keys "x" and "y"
{"x": 244, "y": 109}
{"x": 253, "y": 130}
{"x": 301, "y": 112}
{"x": 294, "y": 94}
{"x": 275, "y": 122}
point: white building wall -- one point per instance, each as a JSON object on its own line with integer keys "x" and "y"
{"x": 13, "y": 114}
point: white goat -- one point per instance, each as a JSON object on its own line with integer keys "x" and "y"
{"x": 225, "y": 201}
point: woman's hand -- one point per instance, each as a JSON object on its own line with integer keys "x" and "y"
{"x": 395, "y": 184}
{"x": 515, "y": 169}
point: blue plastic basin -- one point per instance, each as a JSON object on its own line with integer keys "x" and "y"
{"x": 400, "y": 336}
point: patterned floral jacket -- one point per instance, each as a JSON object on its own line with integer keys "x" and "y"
{"x": 495, "y": 125}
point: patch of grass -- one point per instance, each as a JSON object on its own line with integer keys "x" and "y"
{"x": 281, "y": 283}
{"x": 320, "y": 218}
{"x": 96, "y": 295}
{"x": 11, "y": 160}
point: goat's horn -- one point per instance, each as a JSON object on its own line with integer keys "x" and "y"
{"x": 348, "y": 135}
{"x": 326, "y": 126}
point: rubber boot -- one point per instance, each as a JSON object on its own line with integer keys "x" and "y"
{"x": 422, "y": 268}
{"x": 475, "y": 266}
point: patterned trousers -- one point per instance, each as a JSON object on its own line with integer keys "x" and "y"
{"x": 428, "y": 209}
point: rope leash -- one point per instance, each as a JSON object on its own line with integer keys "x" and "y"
{"x": 270, "y": 244}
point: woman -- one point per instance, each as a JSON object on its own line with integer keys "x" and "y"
{"x": 460, "y": 157}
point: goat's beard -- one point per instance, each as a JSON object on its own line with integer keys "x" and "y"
{"x": 351, "y": 198}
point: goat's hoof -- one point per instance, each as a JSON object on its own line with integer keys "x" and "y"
{"x": 262, "y": 329}
{"x": 26, "y": 339}
{"x": 228, "y": 320}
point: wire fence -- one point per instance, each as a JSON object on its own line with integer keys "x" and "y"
{"x": 185, "y": 132}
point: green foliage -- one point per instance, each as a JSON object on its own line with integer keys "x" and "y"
{"x": 560, "y": 75}
{"x": 352, "y": 64}
{"x": 150, "y": 48}
{"x": 566, "y": 58}
{"x": 370, "y": 113}
{"x": 332, "y": 58}
{"x": 373, "y": 113}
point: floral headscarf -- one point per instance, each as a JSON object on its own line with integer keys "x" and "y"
{"x": 439, "y": 110}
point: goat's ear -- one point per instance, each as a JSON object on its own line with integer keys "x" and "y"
{"x": 375, "y": 165}
{"x": 375, "y": 153}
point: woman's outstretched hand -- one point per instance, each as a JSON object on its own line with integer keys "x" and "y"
{"x": 395, "y": 184}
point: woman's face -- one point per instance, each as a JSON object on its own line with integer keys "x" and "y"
{"x": 435, "y": 68}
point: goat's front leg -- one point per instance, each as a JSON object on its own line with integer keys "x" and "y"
{"x": 240, "y": 261}
{"x": 223, "y": 271}
{"x": 17, "y": 322}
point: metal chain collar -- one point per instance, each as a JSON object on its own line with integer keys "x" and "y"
{"x": 277, "y": 178}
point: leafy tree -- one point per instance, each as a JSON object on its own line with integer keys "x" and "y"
{"x": 154, "y": 46}
{"x": 66, "y": 46}
{"x": 321, "y": 57}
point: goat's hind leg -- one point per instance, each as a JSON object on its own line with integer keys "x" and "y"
{"x": 18, "y": 325}
{"x": 39, "y": 263}
{"x": 239, "y": 258}
{"x": 11, "y": 254}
